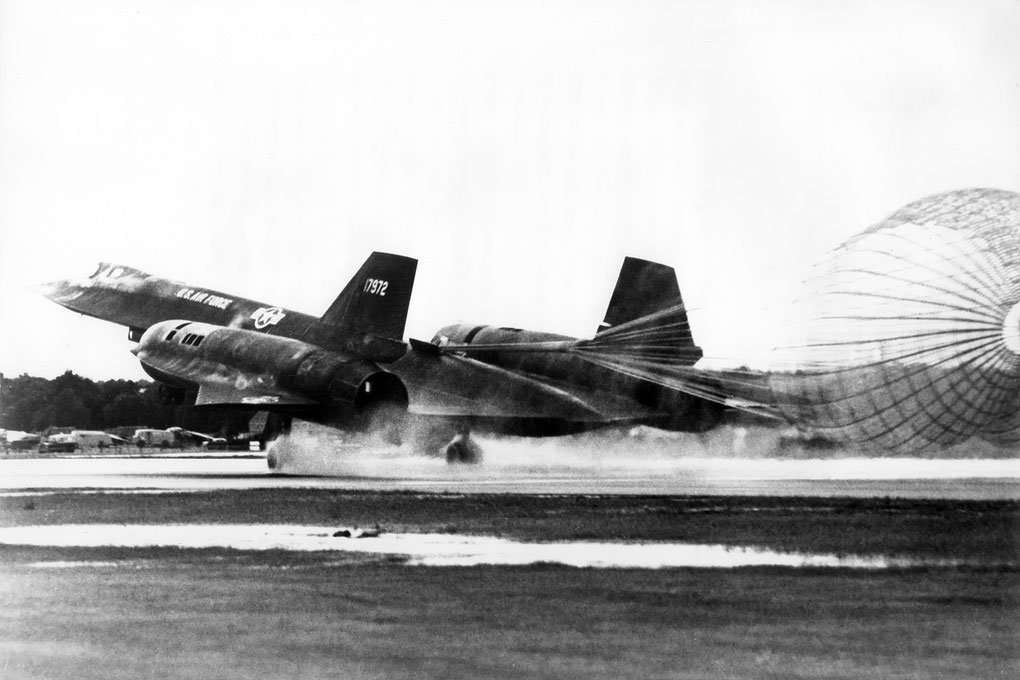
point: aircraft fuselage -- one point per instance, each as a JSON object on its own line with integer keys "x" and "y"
{"x": 339, "y": 368}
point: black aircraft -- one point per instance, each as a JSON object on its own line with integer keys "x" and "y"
{"x": 351, "y": 368}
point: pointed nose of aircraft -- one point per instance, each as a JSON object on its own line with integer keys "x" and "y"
{"x": 58, "y": 291}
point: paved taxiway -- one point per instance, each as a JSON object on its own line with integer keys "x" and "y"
{"x": 862, "y": 478}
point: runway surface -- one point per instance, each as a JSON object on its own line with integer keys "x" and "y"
{"x": 546, "y": 560}
{"x": 381, "y": 471}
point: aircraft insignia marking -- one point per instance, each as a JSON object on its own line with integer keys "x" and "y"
{"x": 267, "y": 316}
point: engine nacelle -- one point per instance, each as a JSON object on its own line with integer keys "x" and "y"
{"x": 467, "y": 334}
{"x": 210, "y": 355}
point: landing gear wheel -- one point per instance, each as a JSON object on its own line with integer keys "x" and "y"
{"x": 438, "y": 437}
{"x": 463, "y": 450}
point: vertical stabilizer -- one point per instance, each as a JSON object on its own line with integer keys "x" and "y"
{"x": 377, "y": 298}
{"x": 642, "y": 288}
{"x": 646, "y": 307}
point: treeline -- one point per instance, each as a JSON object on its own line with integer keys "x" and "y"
{"x": 34, "y": 404}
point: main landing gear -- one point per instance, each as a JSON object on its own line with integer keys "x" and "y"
{"x": 445, "y": 437}
{"x": 463, "y": 449}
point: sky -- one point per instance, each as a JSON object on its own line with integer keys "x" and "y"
{"x": 519, "y": 150}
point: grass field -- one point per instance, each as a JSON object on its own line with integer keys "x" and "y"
{"x": 242, "y": 616}
{"x": 218, "y": 613}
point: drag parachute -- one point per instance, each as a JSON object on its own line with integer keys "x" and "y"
{"x": 909, "y": 335}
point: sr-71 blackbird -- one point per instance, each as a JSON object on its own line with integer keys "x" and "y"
{"x": 351, "y": 368}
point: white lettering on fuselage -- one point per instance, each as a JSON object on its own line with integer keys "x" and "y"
{"x": 204, "y": 298}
